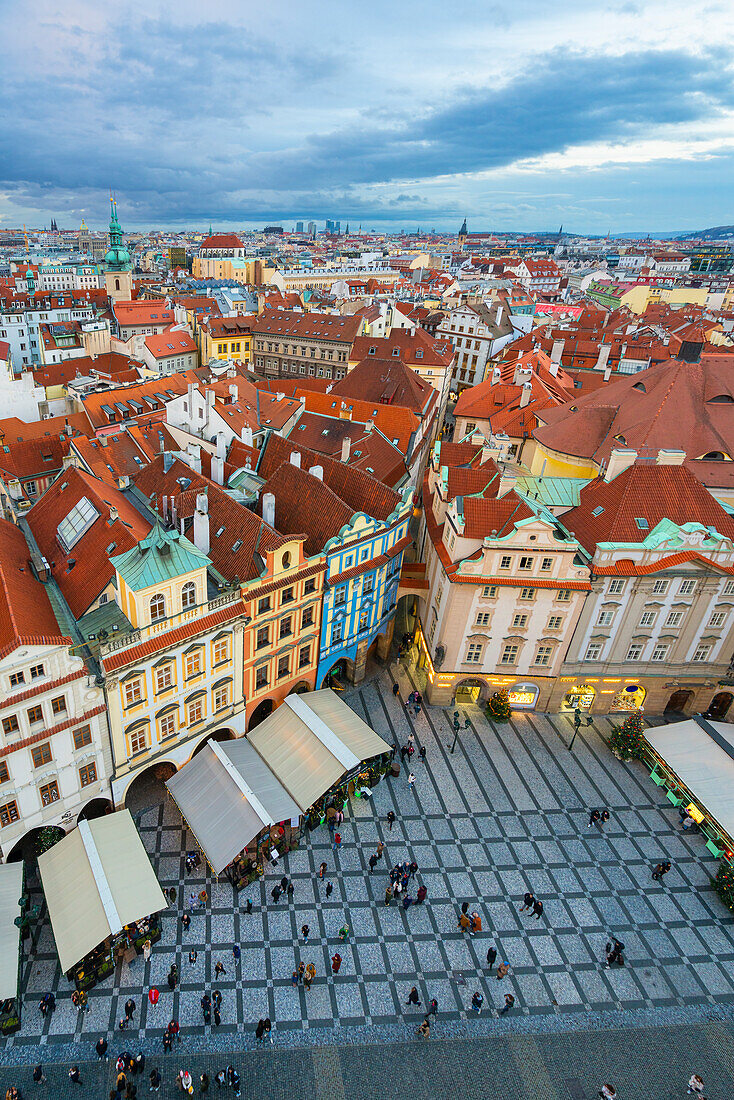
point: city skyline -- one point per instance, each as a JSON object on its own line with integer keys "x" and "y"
{"x": 520, "y": 120}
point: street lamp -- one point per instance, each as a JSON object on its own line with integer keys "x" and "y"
{"x": 577, "y": 725}
{"x": 457, "y": 727}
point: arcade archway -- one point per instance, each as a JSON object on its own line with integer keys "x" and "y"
{"x": 148, "y": 789}
{"x": 260, "y": 713}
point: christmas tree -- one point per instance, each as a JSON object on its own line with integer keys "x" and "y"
{"x": 626, "y": 740}
{"x": 724, "y": 883}
{"x": 498, "y": 707}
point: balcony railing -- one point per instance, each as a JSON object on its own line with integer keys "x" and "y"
{"x": 191, "y": 614}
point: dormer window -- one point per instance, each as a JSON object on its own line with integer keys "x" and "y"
{"x": 157, "y": 607}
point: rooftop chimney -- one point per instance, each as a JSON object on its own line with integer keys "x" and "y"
{"x": 557, "y": 350}
{"x": 164, "y": 508}
{"x": 201, "y": 523}
{"x": 221, "y": 445}
{"x": 527, "y": 393}
{"x": 500, "y": 314}
{"x": 296, "y": 459}
{"x": 269, "y": 508}
{"x": 496, "y": 375}
{"x": 234, "y": 393}
{"x": 508, "y": 481}
{"x": 113, "y": 513}
{"x": 603, "y": 357}
{"x": 669, "y": 457}
{"x": 346, "y": 448}
{"x": 369, "y": 426}
{"x": 619, "y": 460}
{"x": 317, "y": 471}
{"x": 210, "y": 398}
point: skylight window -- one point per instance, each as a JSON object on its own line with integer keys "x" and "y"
{"x": 597, "y": 511}
{"x": 78, "y": 521}
{"x": 642, "y": 523}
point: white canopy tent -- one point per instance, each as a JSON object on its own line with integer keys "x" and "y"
{"x": 227, "y": 795}
{"x": 97, "y": 880}
{"x": 701, "y": 754}
{"x": 11, "y": 888}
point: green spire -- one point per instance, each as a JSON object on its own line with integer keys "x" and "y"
{"x": 117, "y": 258}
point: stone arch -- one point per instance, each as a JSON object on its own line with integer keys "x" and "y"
{"x": 223, "y": 734}
{"x": 147, "y": 787}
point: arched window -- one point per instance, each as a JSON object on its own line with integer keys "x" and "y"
{"x": 157, "y": 607}
{"x": 188, "y": 595}
{"x": 286, "y": 560}
{"x": 117, "y": 284}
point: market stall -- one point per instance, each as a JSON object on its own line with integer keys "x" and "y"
{"x": 11, "y": 909}
{"x": 102, "y": 896}
{"x": 693, "y": 761}
{"x": 321, "y": 750}
{"x": 235, "y": 806}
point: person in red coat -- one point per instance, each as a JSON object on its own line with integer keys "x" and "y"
{"x": 336, "y": 961}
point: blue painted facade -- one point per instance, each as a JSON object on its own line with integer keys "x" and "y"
{"x": 363, "y": 566}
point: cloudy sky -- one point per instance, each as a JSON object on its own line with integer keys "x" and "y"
{"x": 519, "y": 114}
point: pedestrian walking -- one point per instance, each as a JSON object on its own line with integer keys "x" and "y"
{"x": 322, "y": 870}
{"x": 477, "y": 1001}
{"x": 294, "y": 978}
{"x": 206, "y": 1008}
{"x": 527, "y": 902}
{"x": 301, "y": 971}
{"x": 289, "y": 891}
{"x": 413, "y": 998}
{"x": 153, "y": 996}
{"x": 147, "y": 950}
{"x": 192, "y": 900}
{"x": 155, "y": 1080}
{"x": 411, "y": 780}
{"x": 425, "y": 1029}
{"x": 337, "y": 843}
{"x": 39, "y": 1076}
{"x": 422, "y": 753}
{"x": 388, "y": 895}
{"x": 185, "y": 921}
{"x": 129, "y": 1008}
{"x": 607, "y": 1092}
{"x": 396, "y": 690}
{"x": 221, "y": 1078}
{"x": 372, "y": 862}
{"x": 174, "y": 1030}
{"x": 248, "y": 907}
{"x": 173, "y": 976}
{"x": 216, "y": 1016}
{"x": 491, "y": 956}
{"x": 260, "y": 1030}
{"x": 695, "y": 1084}
{"x": 421, "y": 894}
{"x": 465, "y": 906}
{"x": 661, "y": 870}
{"x": 329, "y": 888}
{"x": 203, "y": 897}
{"x": 537, "y": 909}
{"x": 465, "y": 924}
{"x": 380, "y": 849}
{"x": 236, "y": 952}
{"x": 219, "y": 969}
{"x": 101, "y": 1048}
{"x": 594, "y": 818}
{"x": 614, "y": 954}
{"x": 172, "y": 895}
{"x": 216, "y": 997}
{"x": 390, "y": 819}
{"x": 304, "y": 932}
{"x": 336, "y": 961}
{"x": 75, "y": 1076}
{"x": 284, "y": 882}
{"x": 476, "y": 922}
{"x": 509, "y": 1002}
{"x": 503, "y": 970}
{"x": 344, "y": 932}
{"x": 309, "y": 976}
{"x": 139, "y": 1066}
{"x": 167, "y": 1042}
{"x": 204, "y": 1082}
{"x": 275, "y": 893}
{"x": 268, "y": 1026}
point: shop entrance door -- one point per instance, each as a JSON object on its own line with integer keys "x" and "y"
{"x": 468, "y": 692}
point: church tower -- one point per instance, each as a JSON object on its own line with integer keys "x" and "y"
{"x": 462, "y": 236}
{"x": 118, "y": 277}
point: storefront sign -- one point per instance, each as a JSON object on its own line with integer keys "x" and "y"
{"x": 523, "y": 696}
{"x": 629, "y": 699}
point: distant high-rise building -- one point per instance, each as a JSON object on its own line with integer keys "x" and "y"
{"x": 329, "y": 226}
{"x": 312, "y": 229}
{"x": 299, "y": 227}
{"x": 337, "y": 227}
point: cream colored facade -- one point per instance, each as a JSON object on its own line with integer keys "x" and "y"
{"x": 644, "y": 637}
{"x": 56, "y": 756}
{"x": 506, "y": 615}
{"x": 177, "y": 678}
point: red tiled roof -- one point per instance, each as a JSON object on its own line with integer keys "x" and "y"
{"x": 142, "y": 312}
{"x": 360, "y": 491}
{"x": 648, "y": 492}
{"x": 388, "y": 382}
{"x": 221, "y": 240}
{"x": 305, "y": 505}
{"x": 38, "y": 689}
{"x": 25, "y": 610}
{"x": 33, "y": 457}
{"x": 171, "y": 342}
{"x": 85, "y": 570}
{"x": 301, "y": 326}
{"x": 123, "y": 657}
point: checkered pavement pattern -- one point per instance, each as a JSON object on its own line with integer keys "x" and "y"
{"x": 506, "y": 812}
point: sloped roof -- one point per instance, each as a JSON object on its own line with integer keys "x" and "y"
{"x": 33, "y": 457}
{"x": 670, "y": 405}
{"x": 387, "y": 381}
{"x": 305, "y": 505}
{"x": 360, "y": 491}
{"x": 26, "y": 615}
{"x": 85, "y": 570}
{"x": 649, "y": 492}
{"x": 160, "y": 556}
{"x": 317, "y": 326}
